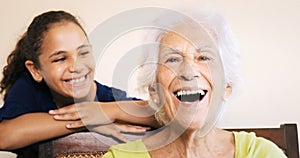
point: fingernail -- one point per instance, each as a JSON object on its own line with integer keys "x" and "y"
{"x": 68, "y": 125}
{"x": 56, "y": 116}
{"x": 51, "y": 112}
{"x": 147, "y": 128}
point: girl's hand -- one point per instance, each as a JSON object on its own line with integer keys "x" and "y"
{"x": 115, "y": 130}
{"x": 91, "y": 116}
{"x": 82, "y": 114}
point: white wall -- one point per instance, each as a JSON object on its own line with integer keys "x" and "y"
{"x": 267, "y": 30}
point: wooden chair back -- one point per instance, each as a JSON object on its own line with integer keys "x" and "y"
{"x": 285, "y": 136}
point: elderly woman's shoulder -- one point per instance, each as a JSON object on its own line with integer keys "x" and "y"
{"x": 249, "y": 145}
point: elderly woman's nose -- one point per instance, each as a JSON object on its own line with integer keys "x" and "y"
{"x": 188, "y": 71}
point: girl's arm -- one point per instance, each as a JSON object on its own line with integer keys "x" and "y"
{"x": 99, "y": 113}
{"x": 31, "y": 128}
{"x": 35, "y": 127}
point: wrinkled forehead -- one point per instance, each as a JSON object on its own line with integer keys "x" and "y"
{"x": 196, "y": 38}
{"x": 196, "y": 35}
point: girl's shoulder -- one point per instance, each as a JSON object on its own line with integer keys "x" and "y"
{"x": 24, "y": 84}
{"x": 106, "y": 93}
{"x": 26, "y": 96}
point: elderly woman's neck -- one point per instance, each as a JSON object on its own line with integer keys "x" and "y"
{"x": 189, "y": 144}
{"x": 210, "y": 145}
{"x": 192, "y": 142}
{"x": 176, "y": 142}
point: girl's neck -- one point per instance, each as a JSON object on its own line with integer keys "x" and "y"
{"x": 62, "y": 101}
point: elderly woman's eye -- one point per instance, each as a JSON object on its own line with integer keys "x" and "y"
{"x": 172, "y": 60}
{"x": 204, "y": 58}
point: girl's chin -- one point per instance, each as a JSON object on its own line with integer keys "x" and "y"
{"x": 79, "y": 95}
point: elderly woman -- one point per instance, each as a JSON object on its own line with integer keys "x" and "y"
{"x": 196, "y": 73}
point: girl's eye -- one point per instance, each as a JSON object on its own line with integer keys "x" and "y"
{"x": 83, "y": 53}
{"x": 59, "y": 60}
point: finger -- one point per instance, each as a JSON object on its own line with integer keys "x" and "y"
{"x": 110, "y": 129}
{"x": 69, "y": 116}
{"x": 118, "y": 135}
{"x": 64, "y": 110}
{"x": 75, "y": 124}
{"x": 132, "y": 128}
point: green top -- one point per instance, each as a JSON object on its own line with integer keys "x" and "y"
{"x": 247, "y": 145}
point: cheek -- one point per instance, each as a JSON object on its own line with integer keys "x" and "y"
{"x": 171, "y": 110}
{"x": 88, "y": 63}
{"x": 52, "y": 74}
{"x": 205, "y": 71}
{"x": 92, "y": 65}
{"x": 165, "y": 76}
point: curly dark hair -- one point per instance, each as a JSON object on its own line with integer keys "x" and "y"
{"x": 29, "y": 46}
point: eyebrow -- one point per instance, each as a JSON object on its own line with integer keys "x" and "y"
{"x": 57, "y": 53}
{"x": 62, "y": 52}
{"x": 174, "y": 49}
{"x": 84, "y": 45}
{"x": 199, "y": 49}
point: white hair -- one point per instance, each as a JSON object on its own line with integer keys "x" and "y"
{"x": 218, "y": 29}
{"x": 210, "y": 21}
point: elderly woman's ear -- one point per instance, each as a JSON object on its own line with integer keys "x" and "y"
{"x": 228, "y": 91}
{"x": 156, "y": 95}
{"x": 153, "y": 92}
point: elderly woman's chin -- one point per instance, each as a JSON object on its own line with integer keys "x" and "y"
{"x": 190, "y": 115}
{"x": 195, "y": 120}
{"x": 194, "y": 112}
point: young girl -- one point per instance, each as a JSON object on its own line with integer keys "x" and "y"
{"x": 52, "y": 66}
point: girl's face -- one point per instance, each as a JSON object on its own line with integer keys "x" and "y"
{"x": 185, "y": 77}
{"x": 67, "y": 64}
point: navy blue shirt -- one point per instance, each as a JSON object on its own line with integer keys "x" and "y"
{"x": 29, "y": 96}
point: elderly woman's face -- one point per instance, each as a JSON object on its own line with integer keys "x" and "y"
{"x": 185, "y": 75}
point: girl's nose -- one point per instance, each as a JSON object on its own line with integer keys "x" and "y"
{"x": 74, "y": 65}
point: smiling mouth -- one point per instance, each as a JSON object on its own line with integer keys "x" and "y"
{"x": 77, "y": 80}
{"x": 190, "y": 95}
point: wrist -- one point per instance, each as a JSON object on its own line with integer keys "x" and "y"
{"x": 109, "y": 112}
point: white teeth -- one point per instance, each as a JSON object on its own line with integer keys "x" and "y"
{"x": 74, "y": 81}
{"x": 201, "y": 92}
{"x": 184, "y": 92}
